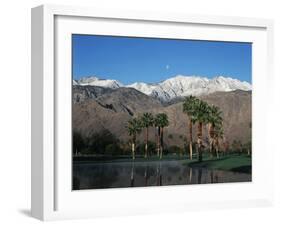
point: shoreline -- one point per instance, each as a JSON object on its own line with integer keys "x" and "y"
{"x": 234, "y": 162}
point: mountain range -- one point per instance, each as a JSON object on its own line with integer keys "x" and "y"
{"x": 97, "y": 108}
{"x": 175, "y": 87}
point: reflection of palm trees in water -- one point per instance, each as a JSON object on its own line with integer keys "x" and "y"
{"x": 159, "y": 174}
{"x": 199, "y": 175}
{"x": 145, "y": 176}
{"x": 136, "y": 174}
{"x": 190, "y": 175}
{"x": 212, "y": 176}
{"x": 132, "y": 174}
{"x": 217, "y": 175}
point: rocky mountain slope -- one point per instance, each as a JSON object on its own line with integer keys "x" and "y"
{"x": 99, "y": 108}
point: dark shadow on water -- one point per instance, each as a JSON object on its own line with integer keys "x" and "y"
{"x": 242, "y": 169}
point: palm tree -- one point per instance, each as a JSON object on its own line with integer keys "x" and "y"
{"x": 161, "y": 121}
{"x": 218, "y": 134}
{"x": 210, "y": 128}
{"x": 147, "y": 120}
{"x": 157, "y": 135}
{"x": 134, "y": 128}
{"x": 214, "y": 119}
{"x": 188, "y": 108}
{"x": 201, "y": 116}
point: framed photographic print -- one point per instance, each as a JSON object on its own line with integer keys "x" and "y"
{"x": 137, "y": 112}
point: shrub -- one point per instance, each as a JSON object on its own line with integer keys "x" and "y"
{"x": 112, "y": 149}
{"x": 174, "y": 149}
{"x": 78, "y": 142}
{"x": 151, "y": 146}
{"x": 103, "y": 142}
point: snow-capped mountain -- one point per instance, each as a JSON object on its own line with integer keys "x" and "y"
{"x": 94, "y": 81}
{"x": 178, "y": 86}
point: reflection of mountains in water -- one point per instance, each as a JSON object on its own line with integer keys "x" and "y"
{"x": 140, "y": 174}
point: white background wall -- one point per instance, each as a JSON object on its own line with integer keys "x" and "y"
{"x": 15, "y": 111}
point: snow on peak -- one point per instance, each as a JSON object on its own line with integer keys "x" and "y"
{"x": 95, "y": 81}
{"x": 181, "y": 85}
{"x": 177, "y": 86}
{"x": 143, "y": 87}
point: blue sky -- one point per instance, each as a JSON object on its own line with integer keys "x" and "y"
{"x": 152, "y": 60}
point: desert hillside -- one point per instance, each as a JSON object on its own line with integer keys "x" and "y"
{"x": 99, "y": 108}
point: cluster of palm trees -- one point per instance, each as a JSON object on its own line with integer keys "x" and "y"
{"x": 146, "y": 120}
{"x": 198, "y": 111}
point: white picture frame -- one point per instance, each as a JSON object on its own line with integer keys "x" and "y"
{"x": 52, "y": 197}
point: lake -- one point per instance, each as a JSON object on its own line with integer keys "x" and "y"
{"x": 154, "y": 173}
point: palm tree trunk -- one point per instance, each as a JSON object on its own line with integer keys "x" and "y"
{"x": 211, "y": 138}
{"x": 199, "y": 140}
{"x": 158, "y": 142}
{"x": 212, "y": 148}
{"x": 133, "y": 146}
{"x": 161, "y": 142}
{"x": 146, "y": 140}
{"x": 133, "y": 150}
{"x": 190, "y": 139}
{"x": 156, "y": 139}
{"x": 217, "y": 147}
{"x": 223, "y": 146}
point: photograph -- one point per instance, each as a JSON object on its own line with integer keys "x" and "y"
{"x": 149, "y": 111}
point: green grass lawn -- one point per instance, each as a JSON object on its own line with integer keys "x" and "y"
{"x": 237, "y": 163}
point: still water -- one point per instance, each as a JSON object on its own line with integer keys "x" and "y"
{"x": 140, "y": 174}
